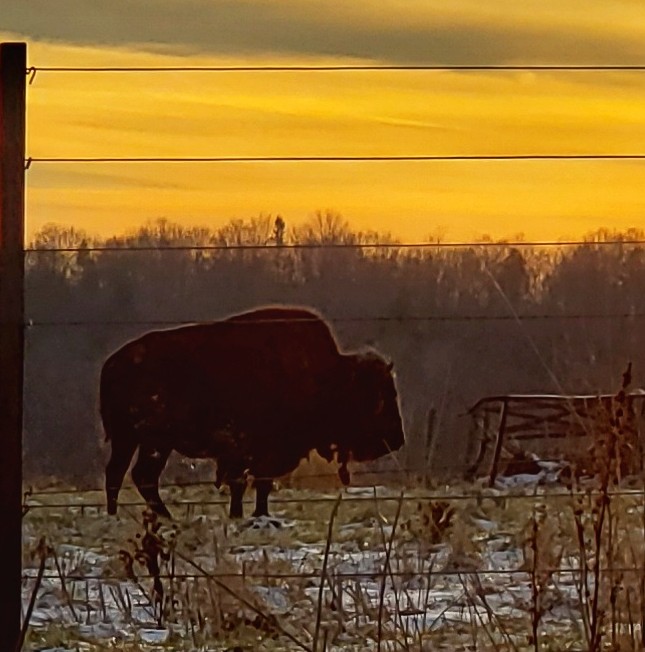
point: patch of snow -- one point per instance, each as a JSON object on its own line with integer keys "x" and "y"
{"x": 155, "y": 636}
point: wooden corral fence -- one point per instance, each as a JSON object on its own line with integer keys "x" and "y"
{"x": 552, "y": 426}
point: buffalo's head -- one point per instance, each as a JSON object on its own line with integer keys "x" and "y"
{"x": 369, "y": 423}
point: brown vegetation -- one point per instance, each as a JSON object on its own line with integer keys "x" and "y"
{"x": 459, "y": 323}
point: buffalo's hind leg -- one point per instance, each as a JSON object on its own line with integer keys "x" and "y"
{"x": 120, "y": 458}
{"x": 262, "y": 490}
{"x": 150, "y": 463}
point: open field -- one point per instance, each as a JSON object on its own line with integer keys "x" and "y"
{"x": 527, "y": 568}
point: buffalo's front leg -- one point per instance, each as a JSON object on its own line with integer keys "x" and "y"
{"x": 237, "y": 488}
{"x": 150, "y": 463}
{"x": 262, "y": 490}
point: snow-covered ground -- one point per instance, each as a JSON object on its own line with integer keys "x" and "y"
{"x": 260, "y": 579}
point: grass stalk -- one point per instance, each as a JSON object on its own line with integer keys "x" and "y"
{"x": 43, "y": 552}
{"x": 388, "y": 553}
{"x": 63, "y": 584}
{"x": 323, "y": 572}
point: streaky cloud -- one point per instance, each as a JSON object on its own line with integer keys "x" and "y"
{"x": 307, "y": 29}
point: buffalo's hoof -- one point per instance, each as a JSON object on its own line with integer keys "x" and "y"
{"x": 267, "y": 523}
{"x": 161, "y": 510}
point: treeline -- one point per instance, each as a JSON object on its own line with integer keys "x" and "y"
{"x": 460, "y": 323}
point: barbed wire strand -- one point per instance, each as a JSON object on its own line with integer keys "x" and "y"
{"x": 32, "y": 70}
{"x": 429, "y": 572}
{"x": 36, "y": 323}
{"x": 72, "y": 491}
{"x": 404, "y": 158}
{"x": 349, "y": 498}
{"x": 126, "y": 248}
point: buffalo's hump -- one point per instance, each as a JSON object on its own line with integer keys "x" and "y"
{"x": 263, "y": 366}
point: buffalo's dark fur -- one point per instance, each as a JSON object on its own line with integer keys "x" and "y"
{"x": 256, "y": 392}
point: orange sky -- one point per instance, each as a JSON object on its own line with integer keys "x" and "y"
{"x": 366, "y": 113}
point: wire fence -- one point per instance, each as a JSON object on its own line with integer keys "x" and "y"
{"x": 420, "y": 565}
{"x": 385, "y": 569}
{"x": 33, "y": 71}
{"x": 359, "y": 68}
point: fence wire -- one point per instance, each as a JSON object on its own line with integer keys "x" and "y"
{"x": 33, "y": 70}
{"x": 345, "y": 575}
{"x": 353, "y": 498}
{"x": 473, "y": 244}
{"x": 425, "y": 496}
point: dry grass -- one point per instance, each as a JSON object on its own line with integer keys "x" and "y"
{"x": 534, "y": 569}
{"x": 237, "y": 597}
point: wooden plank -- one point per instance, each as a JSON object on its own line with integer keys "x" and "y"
{"x": 13, "y": 66}
{"x": 499, "y": 443}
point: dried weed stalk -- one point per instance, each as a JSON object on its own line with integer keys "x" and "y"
{"x": 606, "y": 601}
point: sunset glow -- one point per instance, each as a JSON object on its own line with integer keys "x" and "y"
{"x": 350, "y": 114}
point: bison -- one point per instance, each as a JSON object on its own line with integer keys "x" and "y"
{"x": 256, "y": 392}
